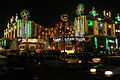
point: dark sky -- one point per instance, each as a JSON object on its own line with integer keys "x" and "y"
{"x": 46, "y": 12}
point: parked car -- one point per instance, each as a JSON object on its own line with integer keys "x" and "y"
{"x": 71, "y": 60}
{"x": 109, "y": 67}
{"x": 51, "y": 62}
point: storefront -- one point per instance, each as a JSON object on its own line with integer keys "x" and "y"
{"x": 31, "y": 44}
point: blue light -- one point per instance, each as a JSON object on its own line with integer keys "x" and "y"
{"x": 100, "y": 24}
{"x": 24, "y": 36}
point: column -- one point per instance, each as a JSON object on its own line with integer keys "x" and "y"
{"x": 95, "y": 28}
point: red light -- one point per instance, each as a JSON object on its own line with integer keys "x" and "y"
{"x": 60, "y": 24}
{"x": 57, "y": 25}
{"x": 19, "y": 39}
{"x": 66, "y": 24}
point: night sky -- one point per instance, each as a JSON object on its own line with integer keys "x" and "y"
{"x": 47, "y": 12}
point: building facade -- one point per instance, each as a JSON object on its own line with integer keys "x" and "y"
{"x": 85, "y": 33}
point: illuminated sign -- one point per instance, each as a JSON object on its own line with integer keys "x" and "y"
{"x": 32, "y": 40}
{"x": 66, "y": 39}
{"x": 69, "y": 39}
{"x": 80, "y": 39}
{"x": 29, "y": 40}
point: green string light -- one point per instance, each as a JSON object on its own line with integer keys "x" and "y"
{"x": 107, "y": 41}
{"x": 96, "y": 42}
{"x": 29, "y": 29}
{"x": 5, "y": 42}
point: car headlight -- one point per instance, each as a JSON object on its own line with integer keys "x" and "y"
{"x": 79, "y": 61}
{"x": 108, "y": 73}
{"x": 93, "y": 71}
{"x": 68, "y": 61}
{"x": 96, "y": 60}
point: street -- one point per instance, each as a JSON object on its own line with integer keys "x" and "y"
{"x": 27, "y": 68}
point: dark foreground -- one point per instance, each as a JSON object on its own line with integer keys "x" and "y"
{"x": 28, "y": 68}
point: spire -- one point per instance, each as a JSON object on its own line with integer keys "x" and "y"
{"x": 16, "y": 18}
{"x": 8, "y": 25}
{"x": 11, "y": 20}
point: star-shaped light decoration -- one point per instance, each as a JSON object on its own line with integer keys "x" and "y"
{"x": 118, "y": 17}
{"x": 93, "y": 12}
{"x": 25, "y": 14}
{"x": 80, "y": 9}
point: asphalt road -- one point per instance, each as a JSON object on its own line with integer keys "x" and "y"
{"x": 21, "y": 70}
{"x": 63, "y": 75}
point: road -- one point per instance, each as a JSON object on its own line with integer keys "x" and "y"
{"x": 21, "y": 70}
{"x": 63, "y": 75}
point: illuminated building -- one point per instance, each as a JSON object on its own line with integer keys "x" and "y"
{"x": 88, "y": 32}
{"x": 25, "y": 32}
{"x": 97, "y": 33}
{"x": 29, "y": 34}
{"x": 85, "y": 33}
